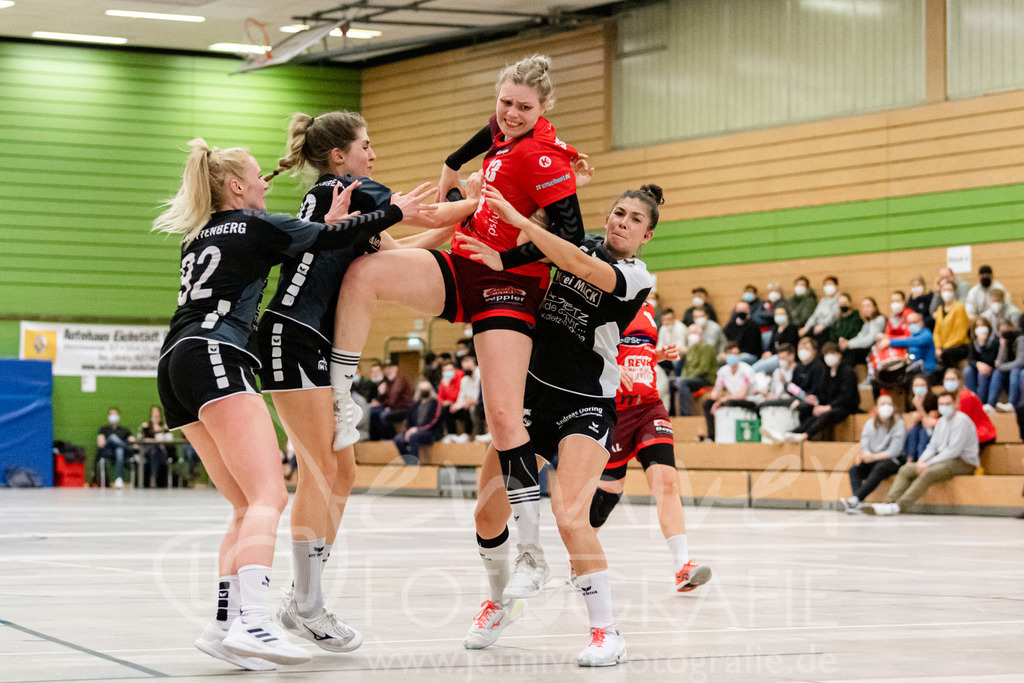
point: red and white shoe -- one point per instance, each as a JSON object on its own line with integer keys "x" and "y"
{"x": 607, "y": 648}
{"x": 691, "y": 576}
{"x": 490, "y": 621}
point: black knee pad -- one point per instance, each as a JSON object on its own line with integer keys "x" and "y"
{"x": 601, "y": 506}
{"x": 519, "y": 467}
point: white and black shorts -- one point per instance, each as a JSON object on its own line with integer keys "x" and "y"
{"x": 551, "y": 414}
{"x": 293, "y": 355}
{"x": 199, "y": 371}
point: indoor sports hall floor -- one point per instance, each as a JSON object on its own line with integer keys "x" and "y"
{"x": 103, "y": 585}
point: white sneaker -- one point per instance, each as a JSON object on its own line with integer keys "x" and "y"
{"x": 346, "y": 416}
{"x": 461, "y": 438}
{"x": 264, "y": 639}
{"x": 448, "y": 438}
{"x": 119, "y": 483}
{"x": 211, "y": 642}
{"x": 324, "y": 629}
{"x": 795, "y": 437}
{"x": 484, "y": 438}
{"x": 882, "y": 509}
{"x": 490, "y": 621}
{"x": 1005, "y": 407}
{"x": 607, "y": 648}
{"x": 851, "y": 505}
{"x": 989, "y": 410}
{"x": 529, "y": 574}
{"x": 770, "y": 436}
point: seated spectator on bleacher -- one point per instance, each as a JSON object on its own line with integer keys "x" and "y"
{"x": 156, "y": 455}
{"x": 763, "y": 315}
{"x": 961, "y": 286}
{"x": 394, "y": 398}
{"x": 952, "y": 341}
{"x": 920, "y": 346}
{"x": 968, "y": 403}
{"x": 432, "y": 368}
{"x": 423, "y": 425}
{"x": 739, "y": 329}
{"x": 114, "y": 442}
{"x": 469, "y": 398}
{"x": 896, "y": 325}
{"x": 855, "y": 349}
{"x": 781, "y": 393}
{"x": 782, "y": 375}
{"x": 1009, "y": 372}
{"x": 671, "y": 332}
{"x": 979, "y": 297}
{"x": 754, "y": 302}
{"x": 953, "y": 450}
{"x": 711, "y": 332}
{"x": 809, "y": 373}
{"x": 1000, "y": 311}
{"x": 701, "y": 302}
{"x": 732, "y": 386}
{"x": 782, "y": 332}
{"x": 700, "y": 367}
{"x": 981, "y": 362}
{"x": 920, "y": 301}
{"x": 802, "y": 303}
{"x": 447, "y": 395}
{"x": 838, "y": 399}
{"x": 825, "y": 313}
{"x": 881, "y": 453}
{"x": 924, "y": 407}
{"x": 847, "y": 325}
{"x": 367, "y": 386}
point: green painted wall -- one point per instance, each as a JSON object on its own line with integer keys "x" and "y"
{"x": 93, "y": 141}
{"x": 988, "y": 214}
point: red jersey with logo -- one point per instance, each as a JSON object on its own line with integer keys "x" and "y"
{"x": 636, "y": 353}
{"x": 531, "y": 171}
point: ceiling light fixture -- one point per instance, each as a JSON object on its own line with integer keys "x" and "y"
{"x": 4, "y": 4}
{"x": 239, "y": 48}
{"x": 74, "y": 37}
{"x": 360, "y": 33}
{"x": 154, "y": 15}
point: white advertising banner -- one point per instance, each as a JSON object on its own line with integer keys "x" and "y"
{"x": 96, "y": 350}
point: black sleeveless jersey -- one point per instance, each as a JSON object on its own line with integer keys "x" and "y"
{"x": 307, "y": 288}
{"x": 579, "y": 326}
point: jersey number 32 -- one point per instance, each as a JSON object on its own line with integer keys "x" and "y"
{"x": 210, "y": 257}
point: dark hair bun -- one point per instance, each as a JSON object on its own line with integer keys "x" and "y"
{"x": 655, "y": 191}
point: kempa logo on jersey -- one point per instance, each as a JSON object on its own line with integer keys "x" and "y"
{"x": 589, "y": 292}
{"x": 504, "y": 294}
{"x": 544, "y": 162}
{"x": 559, "y": 179}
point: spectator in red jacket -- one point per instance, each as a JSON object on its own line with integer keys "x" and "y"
{"x": 970, "y": 405}
{"x": 394, "y": 398}
{"x": 447, "y": 395}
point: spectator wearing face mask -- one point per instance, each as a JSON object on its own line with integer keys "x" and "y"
{"x": 952, "y": 341}
{"x": 802, "y": 303}
{"x": 1009, "y": 372}
{"x": 1000, "y": 310}
{"x": 782, "y": 332}
{"x": 711, "y": 332}
{"x": 114, "y": 442}
{"x": 924, "y": 410}
{"x": 699, "y": 370}
{"x": 968, "y": 403}
{"x": 422, "y": 426}
{"x": 826, "y": 312}
{"x": 960, "y": 286}
{"x": 701, "y": 301}
{"x": 367, "y": 386}
{"x": 855, "y": 349}
{"x": 782, "y": 375}
{"x": 764, "y": 313}
{"x": 742, "y": 331}
{"x": 809, "y": 372}
{"x": 920, "y": 301}
{"x": 394, "y": 398}
{"x": 671, "y": 332}
{"x": 981, "y": 361}
{"x": 847, "y": 325}
{"x": 896, "y": 325}
{"x": 920, "y": 345}
{"x": 732, "y": 387}
{"x": 753, "y": 300}
{"x": 447, "y": 395}
{"x": 838, "y": 399}
{"x": 979, "y": 296}
{"x": 881, "y": 453}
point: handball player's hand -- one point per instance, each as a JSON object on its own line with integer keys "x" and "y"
{"x": 340, "y": 202}
{"x": 625, "y": 379}
{"x": 412, "y": 204}
{"x": 669, "y": 352}
{"x": 583, "y": 170}
{"x": 478, "y": 251}
{"x": 474, "y": 185}
{"x": 500, "y": 206}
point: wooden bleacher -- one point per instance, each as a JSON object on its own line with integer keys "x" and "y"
{"x": 808, "y": 475}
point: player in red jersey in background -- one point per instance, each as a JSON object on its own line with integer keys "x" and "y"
{"x": 644, "y": 431}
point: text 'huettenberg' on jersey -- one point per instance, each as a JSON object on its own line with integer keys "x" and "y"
{"x": 579, "y": 326}
{"x": 224, "y": 271}
{"x": 308, "y": 286}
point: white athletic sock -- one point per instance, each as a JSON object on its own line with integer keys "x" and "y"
{"x": 308, "y": 565}
{"x": 680, "y": 553}
{"x": 597, "y": 594}
{"x": 527, "y": 516}
{"x": 227, "y": 601}
{"x": 254, "y": 589}
{"x": 343, "y": 369}
{"x": 497, "y": 566}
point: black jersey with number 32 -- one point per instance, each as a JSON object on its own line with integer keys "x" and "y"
{"x": 579, "y": 326}
{"x": 224, "y": 271}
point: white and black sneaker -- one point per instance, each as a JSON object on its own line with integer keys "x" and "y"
{"x": 529, "y": 574}
{"x": 490, "y": 621}
{"x": 346, "y": 416}
{"x": 324, "y": 629}
{"x": 264, "y": 639}
{"x": 852, "y": 505}
{"x": 211, "y": 642}
{"x": 607, "y": 647}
